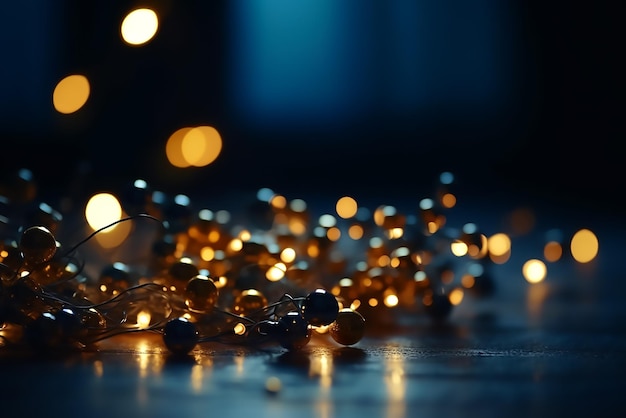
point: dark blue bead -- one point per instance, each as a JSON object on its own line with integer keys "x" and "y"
{"x": 292, "y": 331}
{"x": 44, "y": 332}
{"x": 180, "y": 336}
{"x": 320, "y": 308}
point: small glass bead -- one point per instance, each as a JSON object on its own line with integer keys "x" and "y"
{"x": 201, "y": 294}
{"x": 180, "y": 336}
{"x": 293, "y": 331}
{"x": 248, "y": 301}
{"x": 320, "y": 308}
{"x": 348, "y": 328}
{"x": 37, "y": 245}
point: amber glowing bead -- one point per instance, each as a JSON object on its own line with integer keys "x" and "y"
{"x": 248, "y": 301}
{"x": 320, "y": 308}
{"x": 201, "y": 294}
{"x": 37, "y": 245}
{"x": 348, "y": 328}
{"x": 180, "y": 336}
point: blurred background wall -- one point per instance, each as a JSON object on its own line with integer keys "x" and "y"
{"x": 377, "y": 97}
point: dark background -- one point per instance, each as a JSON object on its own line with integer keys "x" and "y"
{"x": 541, "y": 119}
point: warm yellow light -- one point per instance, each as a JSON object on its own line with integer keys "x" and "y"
{"x": 236, "y": 245}
{"x": 276, "y": 272}
{"x": 355, "y": 232}
{"x": 459, "y": 248}
{"x": 173, "y": 148}
{"x": 391, "y": 300}
{"x": 139, "y": 26}
{"x": 143, "y": 319}
{"x": 456, "y": 296}
{"x": 534, "y": 271}
{"x": 71, "y": 93}
{"x": 584, "y": 246}
{"x": 333, "y": 233}
{"x": 288, "y": 255}
{"x": 552, "y": 251}
{"x": 239, "y": 329}
{"x": 114, "y": 236}
{"x": 448, "y": 200}
{"x": 278, "y": 201}
{"x": 207, "y": 253}
{"x": 499, "y": 244}
{"x": 201, "y": 146}
{"x": 103, "y": 209}
{"x": 346, "y": 207}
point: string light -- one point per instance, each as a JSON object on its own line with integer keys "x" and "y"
{"x": 211, "y": 279}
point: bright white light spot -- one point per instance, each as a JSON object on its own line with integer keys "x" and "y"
{"x": 534, "y": 271}
{"x": 103, "y": 209}
{"x": 139, "y": 26}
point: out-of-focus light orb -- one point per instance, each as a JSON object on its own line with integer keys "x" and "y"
{"x": 584, "y": 246}
{"x": 139, "y": 26}
{"x": 552, "y": 251}
{"x": 456, "y": 296}
{"x": 201, "y": 146}
{"x": 173, "y": 148}
{"x": 103, "y": 209}
{"x": 71, "y": 93}
{"x": 356, "y": 232}
{"x": 458, "y": 248}
{"x": 346, "y": 207}
{"x": 499, "y": 244}
{"x": 534, "y": 271}
{"x": 198, "y": 146}
{"x": 276, "y": 272}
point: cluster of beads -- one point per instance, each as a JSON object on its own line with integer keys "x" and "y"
{"x": 210, "y": 277}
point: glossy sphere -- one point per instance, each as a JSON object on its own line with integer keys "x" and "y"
{"x": 292, "y": 331}
{"x": 249, "y": 301}
{"x": 182, "y": 270}
{"x": 37, "y": 245}
{"x": 320, "y": 308}
{"x": 46, "y": 331}
{"x": 70, "y": 323}
{"x": 180, "y": 336}
{"x": 201, "y": 294}
{"x": 348, "y": 328}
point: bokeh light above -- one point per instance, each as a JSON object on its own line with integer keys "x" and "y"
{"x": 139, "y": 26}
{"x": 71, "y": 93}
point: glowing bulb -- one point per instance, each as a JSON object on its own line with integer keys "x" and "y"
{"x": 71, "y": 93}
{"x": 534, "y": 271}
{"x": 239, "y": 329}
{"x": 499, "y": 244}
{"x": 143, "y": 319}
{"x": 276, "y": 272}
{"x": 346, "y": 207}
{"x": 101, "y": 210}
{"x": 584, "y": 246}
{"x": 139, "y": 26}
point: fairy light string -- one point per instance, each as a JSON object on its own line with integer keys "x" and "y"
{"x": 276, "y": 278}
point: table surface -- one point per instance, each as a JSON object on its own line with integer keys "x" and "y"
{"x": 555, "y": 348}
